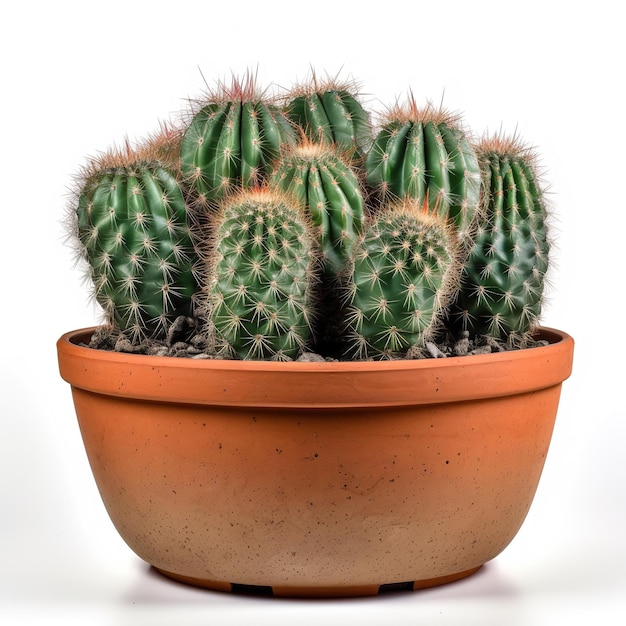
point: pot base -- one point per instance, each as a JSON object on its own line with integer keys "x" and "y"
{"x": 335, "y": 591}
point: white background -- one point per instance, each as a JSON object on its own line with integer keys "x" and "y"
{"x": 78, "y": 77}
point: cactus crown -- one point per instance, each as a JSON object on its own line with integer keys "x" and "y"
{"x": 317, "y": 84}
{"x": 411, "y": 111}
{"x": 506, "y": 145}
{"x": 162, "y": 148}
{"x": 244, "y": 88}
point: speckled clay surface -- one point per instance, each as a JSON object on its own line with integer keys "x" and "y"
{"x": 286, "y": 475}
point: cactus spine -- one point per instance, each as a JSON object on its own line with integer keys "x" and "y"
{"x": 504, "y": 275}
{"x": 404, "y": 274}
{"x": 260, "y": 287}
{"x": 423, "y": 153}
{"x": 133, "y": 225}
{"x": 328, "y": 187}
{"x": 330, "y": 112}
{"x": 233, "y": 140}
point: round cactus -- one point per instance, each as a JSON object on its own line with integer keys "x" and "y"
{"x": 233, "y": 140}
{"x": 404, "y": 274}
{"x": 260, "y": 283}
{"x": 423, "y": 153}
{"x": 330, "y": 112}
{"x": 330, "y": 190}
{"x": 503, "y": 278}
{"x": 133, "y": 225}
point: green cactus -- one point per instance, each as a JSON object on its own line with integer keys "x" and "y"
{"x": 328, "y": 186}
{"x": 260, "y": 284}
{"x": 283, "y": 225}
{"x": 233, "y": 140}
{"x": 330, "y": 112}
{"x": 134, "y": 229}
{"x": 424, "y": 153}
{"x": 503, "y": 278}
{"x": 405, "y": 272}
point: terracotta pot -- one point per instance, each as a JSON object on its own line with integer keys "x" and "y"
{"x": 317, "y": 479}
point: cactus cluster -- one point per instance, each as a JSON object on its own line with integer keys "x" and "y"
{"x": 279, "y": 225}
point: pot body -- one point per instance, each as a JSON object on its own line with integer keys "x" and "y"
{"x": 317, "y": 479}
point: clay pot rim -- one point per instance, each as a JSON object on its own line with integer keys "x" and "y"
{"x": 350, "y": 384}
{"x": 74, "y": 338}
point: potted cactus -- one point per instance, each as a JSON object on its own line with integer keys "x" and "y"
{"x": 321, "y": 371}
